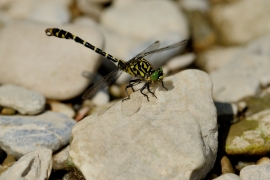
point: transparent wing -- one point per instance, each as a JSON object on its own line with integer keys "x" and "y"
{"x": 153, "y": 46}
{"x": 176, "y": 45}
{"x": 102, "y": 83}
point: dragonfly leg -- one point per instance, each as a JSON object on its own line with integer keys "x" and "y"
{"x": 148, "y": 88}
{"x": 144, "y": 86}
{"x": 131, "y": 84}
{"x": 163, "y": 85}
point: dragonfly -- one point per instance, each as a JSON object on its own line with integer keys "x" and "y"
{"x": 137, "y": 67}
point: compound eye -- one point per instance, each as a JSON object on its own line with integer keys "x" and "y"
{"x": 155, "y": 76}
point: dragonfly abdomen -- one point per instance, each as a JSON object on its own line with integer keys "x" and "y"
{"x": 67, "y": 35}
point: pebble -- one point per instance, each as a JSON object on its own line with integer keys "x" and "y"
{"x": 232, "y": 30}
{"x": 207, "y": 60}
{"x": 91, "y": 8}
{"x": 115, "y": 91}
{"x": 8, "y": 162}
{"x": 255, "y": 172}
{"x": 141, "y": 135}
{"x": 228, "y": 176}
{"x": 226, "y": 166}
{"x": 102, "y": 97}
{"x": 203, "y": 35}
{"x": 23, "y": 100}
{"x": 263, "y": 161}
{"x": 151, "y": 25}
{"x": 57, "y": 106}
{"x": 48, "y": 65}
{"x": 242, "y": 164}
{"x": 51, "y": 12}
{"x": 194, "y": 5}
{"x": 82, "y": 113}
{"x": 22, "y": 134}
{"x": 34, "y": 165}
{"x": 180, "y": 62}
{"x": 8, "y": 111}
{"x": 60, "y": 159}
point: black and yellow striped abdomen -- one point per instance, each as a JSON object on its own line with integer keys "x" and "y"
{"x": 67, "y": 35}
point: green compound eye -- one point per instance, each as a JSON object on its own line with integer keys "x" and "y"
{"x": 155, "y": 75}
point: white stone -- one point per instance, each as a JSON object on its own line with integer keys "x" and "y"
{"x": 91, "y": 8}
{"x": 146, "y": 19}
{"x": 45, "y": 64}
{"x": 255, "y": 172}
{"x": 21, "y": 99}
{"x": 228, "y": 176}
{"x": 51, "y": 12}
{"x": 173, "y": 136}
{"x": 34, "y": 165}
{"x": 217, "y": 57}
{"x": 193, "y": 5}
{"x": 182, "y": 61}
{"x": 242, "y": 29}
{"x": 102, "y": 97}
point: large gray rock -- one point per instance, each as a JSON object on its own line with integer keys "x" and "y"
{"x": 35, "y": 165}
{"x": 22, "y": 134}
{"x": 21, "y": 99}
{"x": 171, "y": 137}
{"x": 48, "y": 65}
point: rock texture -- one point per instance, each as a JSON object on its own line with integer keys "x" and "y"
{"x": 171, "y": 137}
{"x": 34, "y": 165}
{"x": 22, "y": 134}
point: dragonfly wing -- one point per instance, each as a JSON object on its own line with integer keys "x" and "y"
{"x": 102, "y": 83}
{"x": 153, "y": 46}
{"x": 172, "y": 46}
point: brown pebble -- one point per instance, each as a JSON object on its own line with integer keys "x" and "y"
{"x": 8, "y": 111}
{"x": 226, "y": 166}
{"x": 263, "y": 160}
{"x": 8, "y": 162}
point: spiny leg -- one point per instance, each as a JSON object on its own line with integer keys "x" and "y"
{"x": 131, "y": 84}
{"x": 148, "y": 88}
{"x": 163, "y": 85}
{"x": 144, "y": 86}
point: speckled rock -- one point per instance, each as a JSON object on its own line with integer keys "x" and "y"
{"x": 34, "y": 165}
{"x": 255, "y": 172}
{"x": 142, "y": 26}
{"x": 45, "y": 64}
{"x": 250, "y": 136}
{"x": 21, "y": 99}
{"x": 242, "y": 29}
{"x": 22, "y": 134}
{"x": 171, "y": 136}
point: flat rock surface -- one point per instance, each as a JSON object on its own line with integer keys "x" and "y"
{"x": 48, "y": 65}
{"x": 171, "y": 137}
{"x": 21, "y": 99}
{"x": 35, "y": 165}
{"x": 22, "y": 134}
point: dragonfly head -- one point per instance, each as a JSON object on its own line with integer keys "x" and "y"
{"x": 157, "y": 75}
